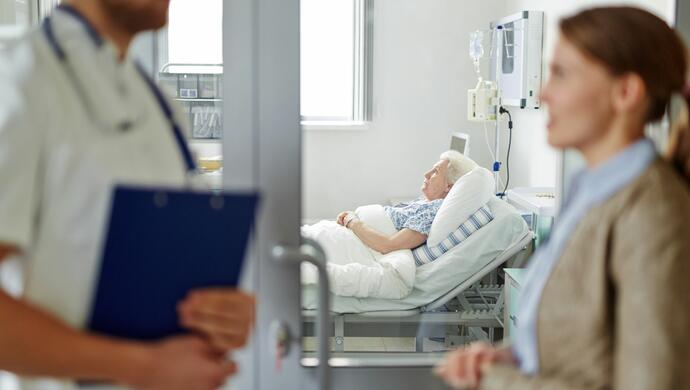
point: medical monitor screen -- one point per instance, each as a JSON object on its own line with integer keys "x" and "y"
{"x": 459, "y": 142}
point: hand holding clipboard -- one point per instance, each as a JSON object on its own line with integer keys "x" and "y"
{"x": 161, "y": 244}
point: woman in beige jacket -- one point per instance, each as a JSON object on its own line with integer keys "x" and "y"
{"x": 606, "y": 302}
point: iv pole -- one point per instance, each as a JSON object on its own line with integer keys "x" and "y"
{"x": 486, "y": 97}
{"x": 497, "y": 163}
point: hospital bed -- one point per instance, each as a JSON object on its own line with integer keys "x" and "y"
{"x": 457, "y": 297}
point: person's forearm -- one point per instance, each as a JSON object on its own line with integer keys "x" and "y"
{"x": 372, "y": 238}
{"x": 33, "y": 343}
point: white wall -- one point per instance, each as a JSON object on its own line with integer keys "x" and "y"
{"x": 421, "y": 75}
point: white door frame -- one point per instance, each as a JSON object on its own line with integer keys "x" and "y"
{"x": 262, "y": 150}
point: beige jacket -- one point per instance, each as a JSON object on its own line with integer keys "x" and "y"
{"x": 615, "y": 313}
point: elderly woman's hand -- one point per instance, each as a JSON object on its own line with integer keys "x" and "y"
{"x": 224, "y": 315}
{"x": 463, "y": 368}
{"x": 346, "y": 217}
{"x": 342, "y": 217}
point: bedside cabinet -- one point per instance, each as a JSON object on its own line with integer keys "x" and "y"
{"x": 513, "y": 281}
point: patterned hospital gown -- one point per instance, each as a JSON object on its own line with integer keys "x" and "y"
{"x": 416, "y": 215}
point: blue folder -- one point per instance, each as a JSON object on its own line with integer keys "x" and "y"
{"x": 161, "y": 244}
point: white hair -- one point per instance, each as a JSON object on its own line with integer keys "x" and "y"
{"x": 458, "y": 164}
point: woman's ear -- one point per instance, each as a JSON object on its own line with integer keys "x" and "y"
{"x": 629, "y": 94}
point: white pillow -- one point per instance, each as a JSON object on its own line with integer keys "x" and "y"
{"x": 472, "y": 191}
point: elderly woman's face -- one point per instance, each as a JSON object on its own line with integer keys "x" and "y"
{"x": 436, "y": 184}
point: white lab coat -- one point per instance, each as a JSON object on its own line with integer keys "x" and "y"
{"x": 58, "y": 167}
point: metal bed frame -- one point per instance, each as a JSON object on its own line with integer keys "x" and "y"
{"x": 471, "y": 311}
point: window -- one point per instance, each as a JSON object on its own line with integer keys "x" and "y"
{"x": 191, "y": 63}
{"x": 335, "y": 61}
{"x": 195, "y": 32}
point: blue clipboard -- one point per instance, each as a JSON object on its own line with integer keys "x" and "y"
{"x": 161, "y": 244}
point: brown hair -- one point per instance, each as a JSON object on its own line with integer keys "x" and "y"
{"x": 678, "y": 150}
{"x": 631, "y": 40}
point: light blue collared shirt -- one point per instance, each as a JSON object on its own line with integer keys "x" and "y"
{"x": 589, "y": 189}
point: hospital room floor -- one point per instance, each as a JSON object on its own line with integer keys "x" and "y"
{"x": 377, "y": 344}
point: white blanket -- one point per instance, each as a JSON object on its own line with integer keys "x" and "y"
{"x": 356, "y": 270}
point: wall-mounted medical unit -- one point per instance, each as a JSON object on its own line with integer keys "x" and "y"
{"x": 516, "y": 58}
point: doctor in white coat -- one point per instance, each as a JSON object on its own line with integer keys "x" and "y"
{"x": 77, "y": 117}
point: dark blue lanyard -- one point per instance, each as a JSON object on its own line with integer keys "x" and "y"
{"x": 168, "y": 112}
{"x": 162, "y": 102}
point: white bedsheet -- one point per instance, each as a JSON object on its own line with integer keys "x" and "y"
{"x": 448, "y": 271}
{"x": 355, "y": 270}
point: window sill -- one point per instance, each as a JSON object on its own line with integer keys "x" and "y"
{"x": 335, "y": 125}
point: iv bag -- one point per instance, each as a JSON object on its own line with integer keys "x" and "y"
{"x": 476, "y": 47}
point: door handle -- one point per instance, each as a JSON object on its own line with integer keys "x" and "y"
{"x": 311, "y": 252}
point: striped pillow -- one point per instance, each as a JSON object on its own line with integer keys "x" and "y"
{"x": 426, "y": 254}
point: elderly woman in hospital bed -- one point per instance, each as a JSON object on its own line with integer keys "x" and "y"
{"x": 370, "y": 251}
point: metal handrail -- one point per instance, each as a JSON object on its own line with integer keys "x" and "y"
{"x": 166, "y": 66}
{"x": 311, "y": 252}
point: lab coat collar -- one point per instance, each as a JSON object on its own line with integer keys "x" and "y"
{"x": 85, "y": 23}
{"x": 73, "y": 29}
{"x": 82, "y": 23}
{"x": 111, "y": 87}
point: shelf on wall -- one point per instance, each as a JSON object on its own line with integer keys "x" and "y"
{"x": 202, "y": 100}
